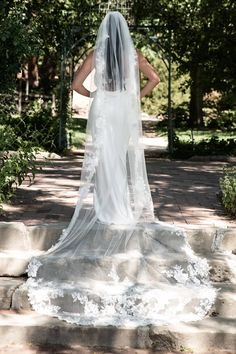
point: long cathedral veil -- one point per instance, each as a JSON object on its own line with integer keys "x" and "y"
{"x": 116, "y": 263}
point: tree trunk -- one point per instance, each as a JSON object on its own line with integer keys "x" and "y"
{"x": 47, "y": 74}
{"x": 196, "y": 98}
{"x": 33, "y": 72}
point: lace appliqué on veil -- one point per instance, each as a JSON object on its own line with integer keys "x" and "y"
{"x": 33, "y": 267}
{"x": 41, "y": 297}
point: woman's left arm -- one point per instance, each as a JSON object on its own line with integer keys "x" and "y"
{"x": 148, "y": 70}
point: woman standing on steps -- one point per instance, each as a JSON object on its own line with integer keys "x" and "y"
{"x": 115, "y": 263}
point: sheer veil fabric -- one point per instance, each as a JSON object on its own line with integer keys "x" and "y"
{"x": 115, "y": 263}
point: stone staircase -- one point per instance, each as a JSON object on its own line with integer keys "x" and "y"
{"x": 19, "y": 325}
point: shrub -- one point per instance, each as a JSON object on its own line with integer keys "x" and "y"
{"x": 228, "y": 189}
{"x": 20, "y": 138}
{"x": 15, "y": 167}
{"x": 35, "y": 125}
{"x": 180, "y": 115}
{"x": 224, "y": 120}
{"x": 8, "y": 139}
{"x": 212, "y": 146}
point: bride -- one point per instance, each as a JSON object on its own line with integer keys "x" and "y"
{"x": 115, "y": 263}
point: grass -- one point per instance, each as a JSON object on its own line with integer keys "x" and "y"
{"x": 188, "y": 143}
{"x": 199, "y": 135}
{"x": 77, "y": 129}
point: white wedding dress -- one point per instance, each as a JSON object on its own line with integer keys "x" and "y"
{"x": 115, "y": 263}
{"x": 115, "y": 207}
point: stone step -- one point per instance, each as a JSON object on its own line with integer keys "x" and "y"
{"x": 206, "y": 336}
{"x": 211, "y": 239}
{"x": 17, "y": 236}
{"x": 14, "y": 263}
{"x": 95, "y": 350}
{"x": 16, "y": 349}
{"x": 8, "y": 287}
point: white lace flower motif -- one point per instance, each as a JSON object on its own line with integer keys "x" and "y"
{"x": 178, "y": 274}
{"x": 33, "y": 267}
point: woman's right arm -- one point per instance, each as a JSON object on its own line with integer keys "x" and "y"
{"x": 148, "y": 70}
{"x": 81, "y": 74}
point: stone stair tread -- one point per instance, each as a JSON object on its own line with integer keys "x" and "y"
{"x": 15, "y": 235}
{"x": 28, "y": 318}
{"x": 30, "y": 327}
{"x": 24, "y": 254}
{"x": 18, "y": 236}
{"x": 7, "y": 288}
{"x": 18, "y": 243}
{"x": 14, "y": 262}
{"x": 86, "y": 350}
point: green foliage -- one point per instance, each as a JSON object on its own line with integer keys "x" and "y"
{"x": 180, "y": 115}
{"x": 20, "y": 138}
{"x": 225, "y": 120}
{"x": 14, "y": 169}
{"x": 228, "y": 189}
{"x": 8, "y": 139}
{"x": 204, "y": 147}
{"x": 203, "y": 32}
{"x": 77, "y": 131}
{"x": 35, "y": 125}
{"x": 203, "y": 36}
{"x": 199, "y": 135}
{"x": 203, "y": 43}
{"x": 156, "y": 103}
{"x": 18, "y": 40}
{"x": 220, "y": 111}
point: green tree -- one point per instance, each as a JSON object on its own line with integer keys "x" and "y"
{"x": 203, "y": 44}
{"x": 18, "y": 40}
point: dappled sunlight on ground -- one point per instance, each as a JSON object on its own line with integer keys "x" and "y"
{"x": 184, "y": 192}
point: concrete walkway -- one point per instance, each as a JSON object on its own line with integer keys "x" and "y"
{"x": 184, "y": 192}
